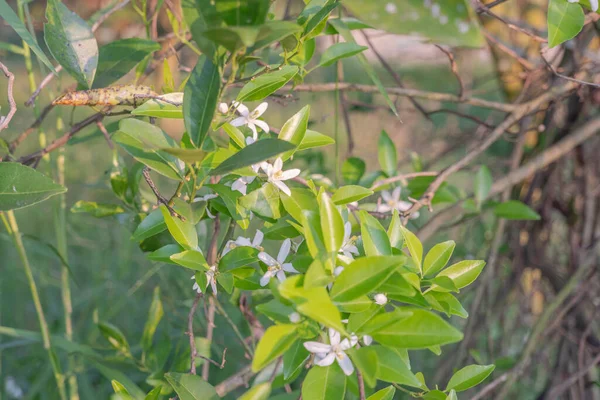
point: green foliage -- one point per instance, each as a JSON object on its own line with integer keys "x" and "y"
{"x": 22, "y": 186}
{"x": 565, "y": 21}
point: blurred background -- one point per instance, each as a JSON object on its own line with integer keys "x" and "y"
{"x": 113, "y": 280}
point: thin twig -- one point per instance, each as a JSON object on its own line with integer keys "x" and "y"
{"x": 211, "y": 257}
{"x": 241, "y": 378}
{"x": 482, "y": 8}
{"x": 361, "y": 385}
{"x": 454, "y": 69}
{"x": 558, "y": 390}
{"x": 106, "y": 134}
{"x": 462, "y": 115}
{"x": 213, "y": 362}
{"x": 555, "y": 72}
{"x": 190, "y": 332}
{"x": 4, "y": 121}
{"x": 159, "y": 197}
{"x": 490, "y": 387}
{"x": 402, "y": 178}
{"x": 13, "y": 145}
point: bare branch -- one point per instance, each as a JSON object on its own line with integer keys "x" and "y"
{"x": 454, "y": 69}
{"x": 4, "y": 121}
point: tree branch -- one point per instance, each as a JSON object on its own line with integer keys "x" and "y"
{"x": 4, "y": 121}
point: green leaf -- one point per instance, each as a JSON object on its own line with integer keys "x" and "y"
{"x": 22, "y": 186}
{"x": 314, "y": 302}
{"x": 565, "y": 21}
{"x": 239, "y": 257}
{"x": 314, "y": 139}
{"x": 516, "y": 210}
{"x": 375, "y": 239}
{"x": 388, "y": 157}
{"x": 437, "y": 258}
{"x": 114, "y": 374}
{"x": 120, "y": 390}
{"x": 357, "y": 321}
{"x": 294, "y": 359}
{"x": 72, "y": 43}
{"x": 363, "y": 276}
{"x": 14, "y": 21}
{"x": 97, "y": 210}
{"x": 350, "y": 193}
{"x": 191, "y": 387}
{"x": 393, "y": 369}
{"x": 483, "y": 184}
{"x": 162, "y": 109}
{"x": 294, "y": 130}
{"x": 192, "y": 259}
{"x": 200, "y": 98}
{"x": 324, "y": 383}
{"x": 201, "y": 15}
{"x": 320, "y": 16}
{"x": 117, "y": 58}
{"x": 273, "y": 31}
{"x": 233, "y": 37}
{"x": 155, "y": 314}
{"x": 189, "y": 156}
{"x": 463, "y": 273}
{"x": 235, "y": 134}
{"x": 302, "y": 199}
{"x": 469, "y": 376}
{"x": 263, "y": 202}
{"x": 258, "y": 392}
{"x": 352, "y": 170}
{"x": 164, "y": 253}
{"x": 395, "y": 232}
{"x": 452, "y": 24}
{"x": 154, "y": 394}
{"x": 365, "y": 360}
{"x": 332, "y": 224}
{"x": 384, "y": 394}
{"x": 343, "y": 30}
{"x": 253, "y": 154}
{"x": 276, "y": 340}
{"x": 421, "y": 330}
{"x": 384, "y": 319}
{"x": 339, "y": 51}
{"x": 115, "y": 337}
{"x": 452, "y": 395}
{"x": 143, "y": 142}
{"x": 276, "y": 311}
{"x": 266, "y": 84}
{"x": 184, "y": 232}
{"x": 414, "y": 245}
{"x": 153, "y": 224}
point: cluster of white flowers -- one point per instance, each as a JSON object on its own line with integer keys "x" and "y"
{"x": 392, "y": 201}
{"x": 211, "y": 279}
{"x": 277, "y": 267}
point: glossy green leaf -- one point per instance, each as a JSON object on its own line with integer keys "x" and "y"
{"x": 421, "y": 330}
{"x": 117, "y": 58}
{"x": 120, "y": 390}
{"x": 452, "y": 395}
{"x": 365, "y": 360}
{"x": 324, "y": 383}
{"x": 184, "y": 232}
{"x": 482, "y": 184}
{"x": 199, "y": 16}
{"x": 276, "y": 311}
{"x": 448, "y": 22}
{"x": 565, "y": 21}
{"x": 437, "y": 258}
{"x": 276, "y": 340}
{"x": 332, "y": 224}
{"x": 114, "y": 374}
{"x": 302, "y": 199}
{"x": 357, "y": 321}
{"x": 363, "y": 276}
{"x": 235, "y": 134}
{"x": 263, "y": 201}
{"x": 435, "y": 395}
{"x": 393, "y": 369}
{"x": 164, "y": 253}
{"x": 343, "y": 30}
{"x": 155, "y": 314}
{"x": 14, "y": 21}
{"x": 463, "y": 273}
{"x": 154, "y": 394}
{"x": 233, "y": 37}
{"x": 320, "y": 17}
{"x": 469, "y": 376}
{"x": 395, "y": 232}
{"x": 314, "y": 139}
{"x": 414, "y": 245}
{"x": 22, "y": 186}
{"x": 255, "y": 153}
{"x": 162, "y": 109}
{"x": 189, "y": 156}
{"x": 191, "y": 387}
{"x": 387, "y": 154}
{"x": 449, "y": 304}
{"x": 338, "y": 51}
{"x": 384, "y": 394}
{"x": 274, "y": 31}
{"x": 153, "y": 224}
{"x": 238, "y": 257}
{"x": 375, "y": 239}
{"x": 192, "y": 259}
{"x": 97, "y": 210}
{"x": 115, "y": 337}
{"x": 381, "y": 320}
{"x": 143, "y": 141}
{"x": 515, "y": 210}
{"x": 350, "y": 193}
{"x": 294, "y": 359}
{"x": 258, "y": 392}
{"x": 200, "y": 98}
{"x": 353, "y": 170}
{"x": 294, "y": 130}
{"x": 266, "y": 84}
{"x": 72, "y": 43}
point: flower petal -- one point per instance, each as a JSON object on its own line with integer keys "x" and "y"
{"x": 260, "y": 110}
{"x": 288, "y": 267}
{"x": 317, "y": 347}
{"x": 253, "y": 129}
{"x": 289, "y": 174}
{"x": 367, "y": 340}
{"x": 383, "y": 208}
{"x": 280, "y": 275}
{"x": 213, "y": 285}
{"x": 327, "y": 361}
{"x": 347, "y": 344}
{"x": 266, "y": 278}
{"x": 239, "y": 185}
{"x": 258, "y": 238}
{"x": 334, "y": 337}
{"x": 347, "y": 231}
{"x": 267, "y": 259}
{"x": 403, "y": 205}
{"x": 396, "y": 193}
{"x": 240, "y": 121}
{"x": 282, "y": 186}
{"x": 278, "y": 164}
{"x": 250, "y": 140}
{"x": 242, "y": 241}
{"x": 345, "y": 363}
{"x": 262, "y": 125}
{"x": 386, "y": 196}
{"x": 284, "y": 250}
{"x": 242, "y": 109}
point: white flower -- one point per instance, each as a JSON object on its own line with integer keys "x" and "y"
{"x": 206, "y": 197}
{"x": 251, "y": 119}
{"x": 276, "y": 267}
{"x": 367, "y": 340}
{"x": 336, "y": 272}
{"x": 380, "y": 299}
{"x": 211, "y": 279}
{"x": 392, "y": 201}
{"x": 10, "y": 384}
{"x": 348, "y": 248}
{"x": 276, "y": 176}
{"x": 223, "y": 108}
{"x": 325, "y": 354}
{"x": 242, "y": 241}
{"x": 294, "y": 317}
